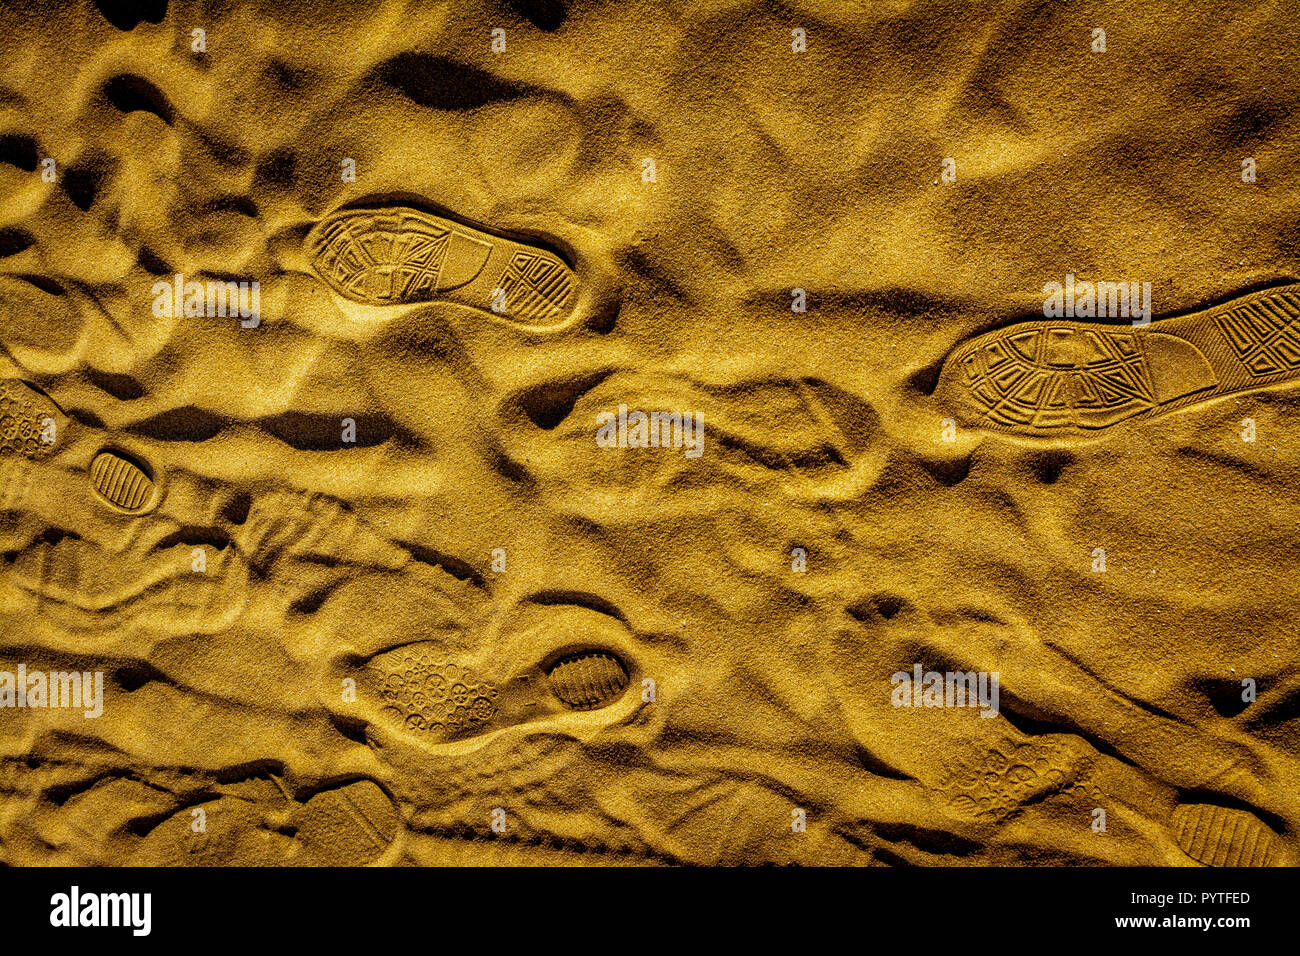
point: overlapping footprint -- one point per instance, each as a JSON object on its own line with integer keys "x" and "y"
{"x": 55, "y": 569}
{"x": 571, "y": 661}
{"x": 259, "y": 822}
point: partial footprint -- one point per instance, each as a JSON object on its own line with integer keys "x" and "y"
{"x": 401, "y": 256}
{"x": 623, "y": 428}
{"x": 1219, "y": 836}
{"x": 427, "y": 696}
{"x": 258, "y": 823}
{"x": 224, "y": 832}
{"x": 30, "y": 424}
{"x": 32, "y": 428}
{"x": 82, "y": 586}
{"x": 349, "y": 826}
{"x": 1009, "y": 778}
{"x": 1062, "y": 379}
{"x": 571, "y": 663}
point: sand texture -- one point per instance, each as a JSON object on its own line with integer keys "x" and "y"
{"x": 385, "y": 560}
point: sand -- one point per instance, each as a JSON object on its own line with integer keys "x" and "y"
{"x": 377, "y": 571}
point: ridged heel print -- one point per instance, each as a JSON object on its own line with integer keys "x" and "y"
{"x": 588, "y": 680}
{"x": 1219, "y": 836}
{"x": 121, "y": 482}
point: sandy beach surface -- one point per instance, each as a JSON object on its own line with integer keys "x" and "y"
{"x": 616, "y": 432}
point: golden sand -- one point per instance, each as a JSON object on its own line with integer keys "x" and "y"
{"x": 723, "y": 433}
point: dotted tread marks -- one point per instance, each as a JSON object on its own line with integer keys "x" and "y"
{"x": 404, "y": 256}
{"x": 1062, "y": 378}
{"x": 26, "y": 418}
{"x": 425, "y": 696}
{"x": 1009, "y": 778}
